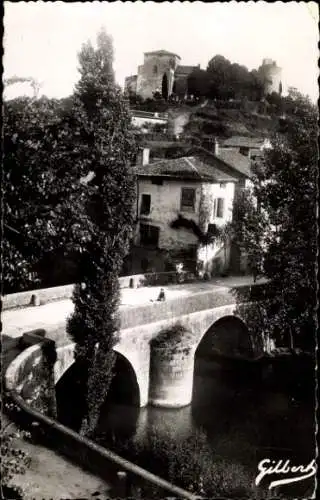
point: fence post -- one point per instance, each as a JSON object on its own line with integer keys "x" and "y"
{"x": 121, "y": 484}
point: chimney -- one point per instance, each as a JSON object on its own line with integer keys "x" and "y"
{"x": 143, "y": 157}
{"x": 216, "y": 147}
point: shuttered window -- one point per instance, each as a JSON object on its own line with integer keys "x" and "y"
{"x": 149, "y": 235}
{"x": 218, "y": 208}
{"x": 188, "y": 196}
{"x": 145, "y": 204}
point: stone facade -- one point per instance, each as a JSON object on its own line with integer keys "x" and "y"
{"x": 165, "y": 206}
{"x": 130, "y": 84}
{"x": 170, "y": 383}
{"x": 161, "y": 73}
{"x": 271, "y": 75}
{"x": 157, "y": 74}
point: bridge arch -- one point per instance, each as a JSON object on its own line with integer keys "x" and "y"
{"x": 71, "y": 381}
{"x": 228, "y": 336}
{"x": 128, "y": 377}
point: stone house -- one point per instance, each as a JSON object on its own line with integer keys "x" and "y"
{"x": 145, "y": 120}
{"x": 251, "y": 147}
{"x": 179, "y": 201}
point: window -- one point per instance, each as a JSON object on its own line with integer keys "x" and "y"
{"x": 149, "y": 235}
{"x": 244, "y": 150}
{"x": 218, "y": 208}
{"x": 212, "y": 230}
{"x": 223, "y": 185}
{"x": 155, "y": 69}
{"x": 157, "y": 181}
{"x": 187, "y": 199}
{"x": 145, "y": 204}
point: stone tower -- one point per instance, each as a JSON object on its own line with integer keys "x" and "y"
{"x": 157, "y": 73}
{"x": 271, "y": 75}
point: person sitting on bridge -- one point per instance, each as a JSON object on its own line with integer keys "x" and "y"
{"x": 161, "y": 296}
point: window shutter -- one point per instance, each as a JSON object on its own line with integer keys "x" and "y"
{"x": 220, "y": 207}
{"x": 145, "y": 204}
{"x": 187, "y": 199}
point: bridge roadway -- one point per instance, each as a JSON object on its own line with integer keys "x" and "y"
{"x": 48, "y": 316}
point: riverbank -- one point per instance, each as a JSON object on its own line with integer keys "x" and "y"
{"x": 49, "y": 475}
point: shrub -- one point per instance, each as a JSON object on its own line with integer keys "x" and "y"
{"x": 13, "y": 460}
{"x": 173, "y": 338}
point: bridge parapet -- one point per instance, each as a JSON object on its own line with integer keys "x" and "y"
{"x": 134, "y": 344}
{"x": 199, "y": 301}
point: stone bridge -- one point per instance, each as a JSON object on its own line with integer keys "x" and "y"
{"x": 163, "y": 376}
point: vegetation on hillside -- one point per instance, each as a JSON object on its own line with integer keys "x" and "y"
{"x": 225, "y": 80}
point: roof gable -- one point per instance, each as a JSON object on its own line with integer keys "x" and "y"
{"x": 232, "y": 162}
{"x": 185, "y": 70}
{"x": 242, "y": 141}
{"x": 161, "y": 53}
{"x": 186, "y": 168}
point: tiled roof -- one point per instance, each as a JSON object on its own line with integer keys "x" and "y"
{"x": 188, "y": 168}
{"x": 230, "y": 161}
{"x": 237, "y": 160}
{"x": 185, "y": 70}
{"x": 240, "y": 141}
{"x": 162, "y": 53}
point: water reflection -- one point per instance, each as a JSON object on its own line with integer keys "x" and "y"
{"x": 235, "y": 421}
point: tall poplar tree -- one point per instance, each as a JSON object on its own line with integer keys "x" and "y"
{"x": 107, "y": 147}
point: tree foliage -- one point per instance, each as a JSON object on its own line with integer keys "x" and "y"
{"x": 41, "y": 188}
{"x": 14, "y": 461}
{"x": 198, "y": 83}
{"x": 285, "y": 185}
{"x": 225, "y": 80}
{"x": 107, "y": 148}
{"x": 248, "y": 228}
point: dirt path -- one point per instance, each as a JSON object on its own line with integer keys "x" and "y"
{"x": 51, "y": 476}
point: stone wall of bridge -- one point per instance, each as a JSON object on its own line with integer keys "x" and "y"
{"x": 170, "y": 383}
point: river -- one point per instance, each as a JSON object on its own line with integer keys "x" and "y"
{"x": 238, "y": 417}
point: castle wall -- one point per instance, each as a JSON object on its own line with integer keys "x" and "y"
{"x": 271, "y": 75}
{"x": 130, "y": 84}
{"x": 151, "y": 73}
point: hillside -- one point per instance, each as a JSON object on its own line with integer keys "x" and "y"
{"x": 212, "y": 120}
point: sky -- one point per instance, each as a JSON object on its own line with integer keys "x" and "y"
{"x": 42, "y": 40}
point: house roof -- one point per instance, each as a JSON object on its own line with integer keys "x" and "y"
{"x": 237, "y": 160}
{"x": 131, "y": 77}
{"x": 241, "y": 141}
{"x": 187, "y": 168}
{"x": 185, "y": 70}
{"x": 230, "y": 161}
{"x": 161, "y": 53}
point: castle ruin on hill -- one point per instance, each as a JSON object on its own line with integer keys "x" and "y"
{"x": 162, "y": 73}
